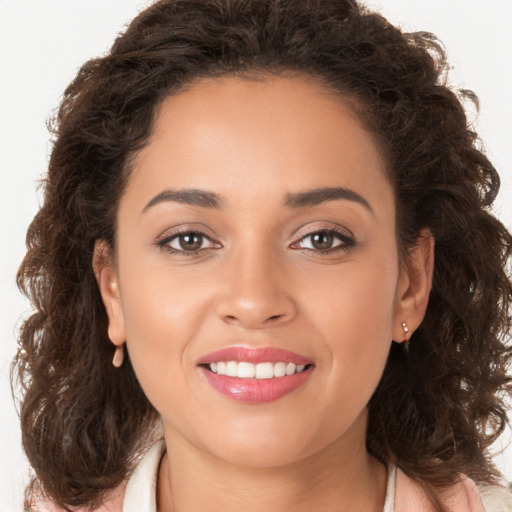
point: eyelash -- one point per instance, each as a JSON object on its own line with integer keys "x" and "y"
{"x": 342, "y": 236}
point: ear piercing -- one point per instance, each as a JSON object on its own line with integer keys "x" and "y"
{"x": 118, "y": 358}
{"x": 405, "y": 328}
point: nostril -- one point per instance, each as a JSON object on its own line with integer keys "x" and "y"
{"x": 256, "y": 313}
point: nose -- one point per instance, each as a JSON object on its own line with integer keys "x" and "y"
{"x": 254, "y": 292}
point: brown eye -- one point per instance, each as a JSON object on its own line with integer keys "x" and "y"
{"x": 187, "y": 242}
{"x": 325, "y": 241}
{"x": 190, "y": 241}
{"x": 322, "y": 240}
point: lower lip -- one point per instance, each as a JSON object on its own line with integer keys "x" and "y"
{"x": 256, "y": 391}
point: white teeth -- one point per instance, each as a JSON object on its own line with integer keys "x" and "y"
{"x": 279, "y": 369}
{"x": 245, "y": 370}
{"x": 290, "y": 369}
{"x": 231, "y": 369}
{"x": 264, "y": 371}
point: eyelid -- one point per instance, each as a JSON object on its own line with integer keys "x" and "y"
{"x": 187, "y": 228}
{"x": 341, "y": 230}
{"x": 169, "y": 235}
{"x": 343, "y": 234}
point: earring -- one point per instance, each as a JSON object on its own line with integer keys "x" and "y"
{"x": 118, "y": 358}
{"x": 405, "y": 328}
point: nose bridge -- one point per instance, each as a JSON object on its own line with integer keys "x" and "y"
{"x": 256, "y": 293}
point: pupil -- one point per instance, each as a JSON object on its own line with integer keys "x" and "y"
{"x": 190, "y": 241}
{"x": 322, "y": 240}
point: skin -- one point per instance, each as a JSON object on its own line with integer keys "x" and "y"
{"x": 259, "y": 281}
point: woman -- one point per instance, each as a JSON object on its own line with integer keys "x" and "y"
{"x": 247, "y": 201}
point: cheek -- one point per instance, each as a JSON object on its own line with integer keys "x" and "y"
{"x": 353, "y": 311}
{"x": 160, "y": 302}
{"x": 162, "y": 316}
{"x": 355, "y": 302}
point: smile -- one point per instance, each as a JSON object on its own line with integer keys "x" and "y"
{"x": 246, "y": 370}
{"x": 251, "y": 375}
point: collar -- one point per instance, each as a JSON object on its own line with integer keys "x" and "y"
{"x": 402, "y": 493}
{"x": 140, "y": 494}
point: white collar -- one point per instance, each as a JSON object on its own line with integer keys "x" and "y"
{"x": 389, "y": 504}
{"x": 140, "y": 494}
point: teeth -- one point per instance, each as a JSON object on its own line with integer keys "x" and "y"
{"x": 264, "y": 371}
{"x": 290, "y": 369}
{"x": 245, "y": 370}
{"x": 231, "y": 369}
{"x": 279, "y": 369}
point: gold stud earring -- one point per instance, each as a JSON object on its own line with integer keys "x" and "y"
{"x": 117, "y": 360}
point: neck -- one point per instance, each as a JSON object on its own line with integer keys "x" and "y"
{"x": 337, "y": 478}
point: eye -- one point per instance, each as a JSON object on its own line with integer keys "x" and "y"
{"x": 325, "y": 241}
{"x": 187, "y": 242}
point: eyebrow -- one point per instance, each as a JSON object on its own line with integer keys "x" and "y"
{"x": 190, "y": 196}
{"x": 308, "y": 198}
{"x": 319, "y": 195}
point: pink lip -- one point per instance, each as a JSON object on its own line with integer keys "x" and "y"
{"x": 255, "y": 390}
{"x": 254, "y": 355}
{"x": 252, "y": 391}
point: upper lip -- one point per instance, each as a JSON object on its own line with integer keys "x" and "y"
{"x": 254, "y": 355}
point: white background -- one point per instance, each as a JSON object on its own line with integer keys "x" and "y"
{"x": 42, "y": 44}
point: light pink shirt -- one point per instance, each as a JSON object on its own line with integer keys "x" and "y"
{"x": 402, "y": 493}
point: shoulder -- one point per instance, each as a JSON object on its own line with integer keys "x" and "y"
{"x": 463, "y": 496}
{"x": 113, "y": 503}
{"x": 137, "y": 493}
{"x": 495, "y": 498}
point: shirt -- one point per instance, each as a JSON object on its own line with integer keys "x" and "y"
{"x": 402, "y": 493}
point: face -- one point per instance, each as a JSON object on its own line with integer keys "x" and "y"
{"x": 257, "y": 282}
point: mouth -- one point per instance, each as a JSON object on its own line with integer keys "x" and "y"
{"x": 259, "y": 371}
{"x": 255, "y": 375}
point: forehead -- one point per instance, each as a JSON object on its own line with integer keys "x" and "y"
{"x": 258, "y": 137}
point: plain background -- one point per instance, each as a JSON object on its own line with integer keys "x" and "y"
{"x": 42, "y": 44}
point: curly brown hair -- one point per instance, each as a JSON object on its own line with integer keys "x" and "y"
{"x": 438, "y": 407}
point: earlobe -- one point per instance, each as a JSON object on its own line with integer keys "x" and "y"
{"x": 104, "y": 270}
{"x": 414, "y": 287}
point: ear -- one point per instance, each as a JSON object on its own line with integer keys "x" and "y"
{"x": 106, "y": 277}
{"x": 414, "y": 285}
